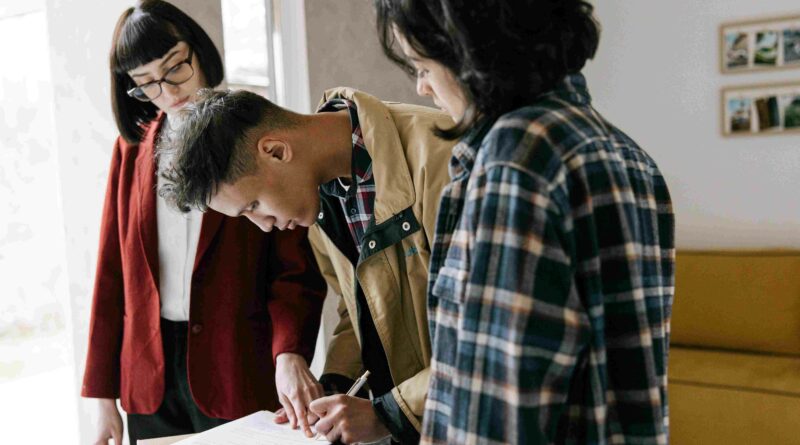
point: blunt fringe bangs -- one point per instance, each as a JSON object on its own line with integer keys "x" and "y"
{"x": 504, "y": 53}
{"x": 144, "y": 33}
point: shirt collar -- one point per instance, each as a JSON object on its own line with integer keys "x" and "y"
{"x": 361, "y": 162}
{"x": 572, "y": 89}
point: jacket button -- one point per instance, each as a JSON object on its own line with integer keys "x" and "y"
{"x": 197, "y": 328}
{"x": 321, "y": 214}
{"x": 372, "y": 244}
{"x": 406, "y": 226}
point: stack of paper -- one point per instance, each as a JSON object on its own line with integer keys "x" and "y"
{"x": 256, "y": 429}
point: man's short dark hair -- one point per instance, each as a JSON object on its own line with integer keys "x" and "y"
{"x": 504, "y": 53}
{"x": 213, "y": 141}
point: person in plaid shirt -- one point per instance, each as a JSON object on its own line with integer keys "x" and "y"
{"x": 552, "y": 269}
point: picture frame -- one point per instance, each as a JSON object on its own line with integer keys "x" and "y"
{"x": 758, "y": 110}
{"x": 760, "y": 45}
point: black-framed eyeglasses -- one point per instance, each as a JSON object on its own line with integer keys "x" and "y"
{"x": 176, "y": 75}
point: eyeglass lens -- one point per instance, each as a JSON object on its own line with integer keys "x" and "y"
{"x": 177, "y": 75}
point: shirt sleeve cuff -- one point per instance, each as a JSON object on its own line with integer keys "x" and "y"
{"x": 392, "y": 417}
{"x": 335, "y": 383}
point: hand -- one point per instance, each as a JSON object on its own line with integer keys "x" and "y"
{"x": 349, "y": 419}
{"x": 109, "y": 425}
{"x": 281, "y": 417}
{"x": 297, "y": 388}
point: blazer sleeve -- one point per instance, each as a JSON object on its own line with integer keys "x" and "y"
{"x": 101, "y": 377}
{"x": 296, "y": 294}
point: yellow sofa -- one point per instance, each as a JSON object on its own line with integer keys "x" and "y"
{"x": 734, "y": 364}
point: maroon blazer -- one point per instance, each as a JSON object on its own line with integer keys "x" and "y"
{"x": 254, "y": 295}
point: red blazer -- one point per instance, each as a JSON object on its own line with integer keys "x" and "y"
{"x": 254, "y": 295}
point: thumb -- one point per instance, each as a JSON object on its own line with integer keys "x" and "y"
{"x": 116, "y": 433}
{"x": 280, "y": 416}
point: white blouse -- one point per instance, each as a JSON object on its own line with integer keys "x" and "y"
{"x": 178, "y": 236}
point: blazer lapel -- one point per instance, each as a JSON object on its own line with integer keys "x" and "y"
{"x": 211, "y": 222}
{"x": 148, "y": 222}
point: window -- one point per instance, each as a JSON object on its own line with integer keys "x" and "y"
{"x": 35, "y": 354}
{"x": 249, "y": 54}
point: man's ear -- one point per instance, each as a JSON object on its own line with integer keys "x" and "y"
{"x": 274, "y": 149}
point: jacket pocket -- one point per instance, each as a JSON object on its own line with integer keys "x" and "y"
{"x": 451, "y": 283}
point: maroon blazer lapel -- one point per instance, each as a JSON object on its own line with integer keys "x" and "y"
{"x": 211, "y": 223}
{"x": 148, "y": 223}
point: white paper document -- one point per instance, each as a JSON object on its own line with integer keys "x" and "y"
{"x": 258, "y": 428}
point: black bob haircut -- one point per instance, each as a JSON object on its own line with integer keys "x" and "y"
{"x": 503, "y": 53}
{"x": 145, "y": 33}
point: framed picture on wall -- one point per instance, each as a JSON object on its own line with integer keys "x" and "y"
{"x": 761, "y": 109}
{"x": 756, "y": 45}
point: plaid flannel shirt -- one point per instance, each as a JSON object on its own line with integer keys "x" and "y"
{"x": 552, "y": 281}
{"x": 359, "y": 197}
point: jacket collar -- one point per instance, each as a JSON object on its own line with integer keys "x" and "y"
{"x": 394, "y": 189}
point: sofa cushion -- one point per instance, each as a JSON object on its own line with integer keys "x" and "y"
{"x": 740, "y": 300}
{"x": 730, "y": 398}
{"x": 740, "y": 371}
{"x": 710, "y": 415}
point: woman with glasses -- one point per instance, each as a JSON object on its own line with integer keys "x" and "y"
{"x": 552, "y": 266}
{"x": 195, "y": 319}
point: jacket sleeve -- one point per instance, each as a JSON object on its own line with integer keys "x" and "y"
{"x": 101, "y": 378}
{"x": 344, "y": 351}
{"x": 409, "y": 396}
{"x": 296, "y": 294}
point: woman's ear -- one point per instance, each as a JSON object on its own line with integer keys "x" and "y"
{"x": 274, "y": 149}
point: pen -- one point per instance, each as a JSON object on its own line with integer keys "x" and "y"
{"x": 353, "y": 390}
{"x": 358, "y": 384}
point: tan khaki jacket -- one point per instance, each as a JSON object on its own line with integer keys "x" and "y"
{"x": 409, "y": 165}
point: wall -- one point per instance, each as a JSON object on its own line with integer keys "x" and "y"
{"x": 657, "y": 77}
{"x": 84, "y": 136}
{"x": 343, "y": 50}
{"x": 35, "y": 358}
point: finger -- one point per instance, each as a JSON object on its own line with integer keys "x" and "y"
{"x": 306, "y": 398}
{"x": 302, "y": 416}
{"x": 324, "y": 425}
{"x": 280, "y": 416}
{"x": 333, "y": 435}
{"x": 322, "y": 405}
{"x": 287, "y": 406}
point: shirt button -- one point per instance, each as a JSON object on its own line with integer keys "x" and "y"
{"x": 372, "y": 244}
{"x": 353, "y": 211}
{"x": 321, "y": 215}
{"x": 197, "y": 328}
{"x": 406, "y": 226}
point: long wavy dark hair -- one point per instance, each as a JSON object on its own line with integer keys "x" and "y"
{"x": 145, "y": 33}
{"x": 504, "y": 53}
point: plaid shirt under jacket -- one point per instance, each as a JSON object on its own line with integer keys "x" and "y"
{"x": 359, "y": 197}
{"x": 551, "y": 283}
